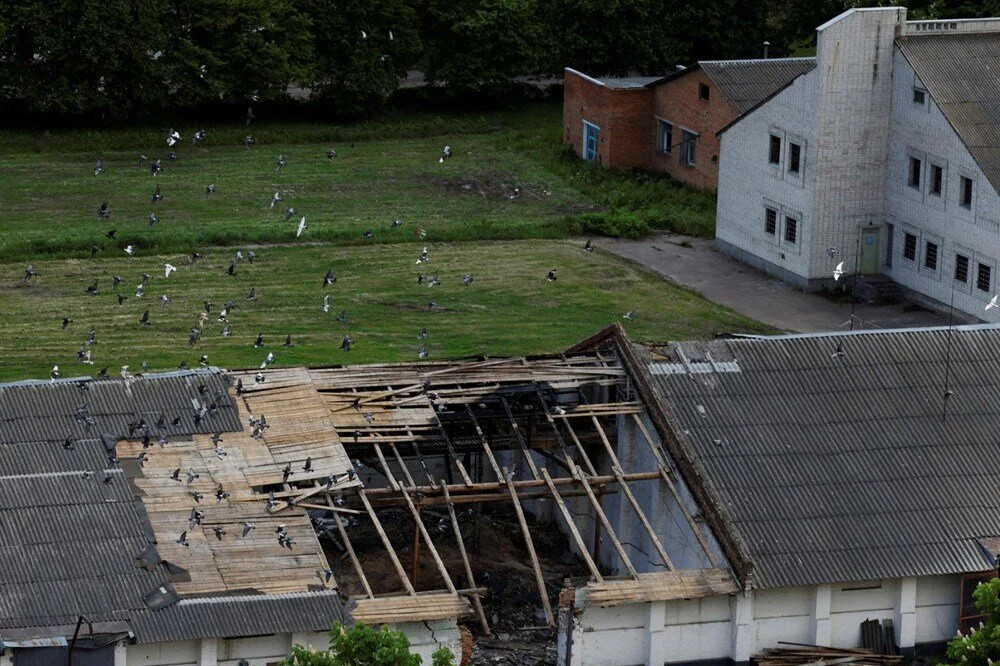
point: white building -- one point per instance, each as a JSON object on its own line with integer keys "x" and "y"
{"x": 884, "y": 157}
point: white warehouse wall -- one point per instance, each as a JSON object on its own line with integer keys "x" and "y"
{"x": 923, "y": 610}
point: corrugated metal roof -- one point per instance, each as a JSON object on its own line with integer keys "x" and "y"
{"x": 239, "y": 616}
{"x": 627, "y": 82}
{"x": 747, "y": 83}
{"x": 959, "y": 70}
{"x": 842, "y": 469}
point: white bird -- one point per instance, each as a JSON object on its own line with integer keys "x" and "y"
{"x": 838, "y": 271}
{"x": 54, "y": 374}
{"x": 302, "y": 226}
{"x": 275, "y": 199}
{"x": 268, "y": 360}
{"x": 364, "y": 35}
{"x": 445, "y": 154}
{"x": 167, "y": 270}
{"x": 390, "y": 35}
{"x": 172, "y": 138}
{"x": 423, "y": 256}
{"x": 628, "y": 315}
{"x": 130, "y": 250}
{"x": 992, "y": 303}
{"x": 326, "y": 303}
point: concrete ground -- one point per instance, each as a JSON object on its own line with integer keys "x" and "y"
{"x": 755, "y": 294}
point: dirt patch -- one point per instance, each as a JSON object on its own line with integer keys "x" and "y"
{"x": 491, "y": 185}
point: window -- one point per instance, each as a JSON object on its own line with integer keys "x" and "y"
{"x": 965, "y": 192}
{"x": 774, "y": 150}
{"x": 702, "y": 91}
{"x": 983, "y": 277}
{"x": 770, "y": 220}
{"x": 591, "y": 133}
{"x": 961, "y": 268}
{"x": 791, "y": 229}
{"x": 919, "y": 96}
{"x": 915, "y": 172}
{"x": 794, "y": 157}
{"x": 930, "y": 255}
{"x": 910, "y": 247}
{"x": 688, "y": 140}
{"x": 665, "y": 138}
{"x": 937, "y": 180}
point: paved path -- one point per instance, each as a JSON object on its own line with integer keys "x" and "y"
{"x": 750, "y": 292}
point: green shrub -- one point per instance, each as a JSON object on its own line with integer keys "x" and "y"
{"x": 614, "y": 223}
{"x": 362, "y": 645}
{"x": 981, "y": 646}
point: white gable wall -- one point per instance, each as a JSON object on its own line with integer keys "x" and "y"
{"x": 922, "y": 131}
{"x": 748, "y": 183}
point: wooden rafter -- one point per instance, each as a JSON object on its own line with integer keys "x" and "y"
{"x": 469, "y": 578}
{"x": 539, "y": 578}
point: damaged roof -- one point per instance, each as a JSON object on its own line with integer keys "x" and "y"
{"x": 836, "y": 468}
{"x": 75, "y": 535}
{"x": 959, "y": 71}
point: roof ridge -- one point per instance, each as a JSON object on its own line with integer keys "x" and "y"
{"x": 756, "y": 60}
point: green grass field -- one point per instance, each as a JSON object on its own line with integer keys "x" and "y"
{"x": 389, "y": 169}
{"x": 509, "y": 309}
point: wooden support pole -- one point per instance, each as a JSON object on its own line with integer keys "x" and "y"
{"x": 579, "y": 447}
{"x": 350, "y": 551}
{"x": 469, "y": 578}
{"x": 572, "y": 527}
{"x": 425, "y": 501}
{"x": 539, "y": 578}
{"x": 665, "y": 477}
{"x": 451, "y": 448}
{"x": 385, "y": 466}
{"x": 385, "y": 542}
{"x": 486, "y": 444}
{"x": 623, "y": 484}
{"x": 626, "y": 562}
{"x": 430, "y": 544}
{"x": 415, "y": 556}
{"x": 402, "y": 465}
{"x": 519, "y": 438}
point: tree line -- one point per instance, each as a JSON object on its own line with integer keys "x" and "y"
{"x": 129, "y": 58}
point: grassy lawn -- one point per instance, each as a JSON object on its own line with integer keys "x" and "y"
{"x": 387, "y": 169}
{"x": 510, "y": 307}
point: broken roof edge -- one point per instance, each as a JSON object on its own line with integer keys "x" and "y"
{"x": 211, "y": 370}
{"x": 671, "y": 436}
{"x": 869, "y": 331}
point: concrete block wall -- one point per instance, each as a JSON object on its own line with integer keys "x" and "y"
{"x": 922, "y": 131}
{"x": 678, "y": 102}
{"x": 748, "y": 182}
{"x": 854, "y": 59}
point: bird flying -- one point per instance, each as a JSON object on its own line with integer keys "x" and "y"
{"x": 302, "y": 226}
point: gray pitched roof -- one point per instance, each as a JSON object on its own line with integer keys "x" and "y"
{"x": 747, "y": 83}
{"x": 959, "y": 71}
{"x": 69, "y": 543}
{"x": 842, "y": 469}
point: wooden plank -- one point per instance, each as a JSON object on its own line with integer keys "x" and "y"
{"x": 572, "y": 527}
{"x": 416, "y": 608}
{"x": 385, "y": 467}
{"x": 519, "y": 437}
{"x": 661, "y": 586}
{"x": 350, "y": 551}
{"x": 539, "y": 578}
{"x": 623, "y": 484}
{"x": 626, "y": 562}
{"x": 430, "y": 543}
{"x": 485, "y": 444}
{"x": 469, "y": 578}
{"x": 385, "y": 542}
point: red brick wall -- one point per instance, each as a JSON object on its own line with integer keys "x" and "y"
{"x": 623, "y": 116}
{"x": 677, "y": 101}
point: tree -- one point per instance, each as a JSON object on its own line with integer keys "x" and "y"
{"x": 480, "y": 44}
{"x": 236, "y": 50}
{"x": 361, "y": 645}
{"x": 74, "y": 57}
{"x": 362, "y": 49}
{"x": 980, "y": 647}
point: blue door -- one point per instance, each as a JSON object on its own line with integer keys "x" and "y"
{"x": 591, "y": 133}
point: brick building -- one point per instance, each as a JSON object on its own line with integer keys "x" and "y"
{"x": 669, "y": 123}
{"x": 884, "y": 157}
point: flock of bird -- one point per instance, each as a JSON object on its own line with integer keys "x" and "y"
{"x": 223, "y": 315}
{"x": 226, "y": 312}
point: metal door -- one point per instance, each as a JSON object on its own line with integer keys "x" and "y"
{"x": 869, "y": 251}
{"x": 591, "y": 134}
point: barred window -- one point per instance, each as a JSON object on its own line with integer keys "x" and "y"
{"x": 930, "y": 255}
{"x": 770, "y": 220}
{"x": 910, "y": 247}
{"x": 983, "y": 277}
{"x": 961, "y": 268}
